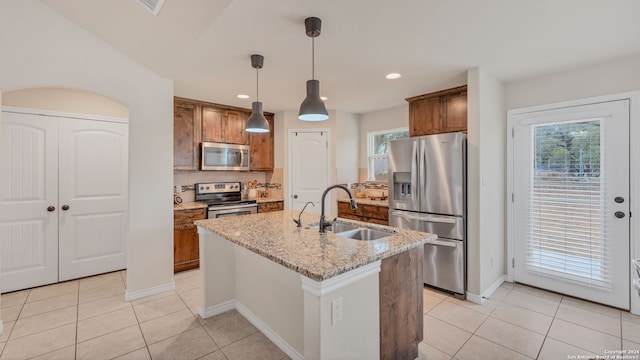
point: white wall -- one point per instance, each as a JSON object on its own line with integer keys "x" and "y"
{"x": 65, "y": 100}
{"x": 347, "y": 147}
{"x": 392, "y": 118}
{"x": 40, "y": 48}
{"x": 486, "y": 182}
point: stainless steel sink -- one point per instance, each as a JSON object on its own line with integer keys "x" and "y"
{"x": 338, "y": 227}
{"x": 364, "y": 234}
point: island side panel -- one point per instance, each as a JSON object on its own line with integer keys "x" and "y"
{"x": 273, "y": 294}
{"x": 217, "y": 273}
{"x": 401, "y": 305}
{"x": 357, "y": 335}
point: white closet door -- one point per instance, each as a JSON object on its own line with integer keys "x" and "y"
{"x": 93, "y": 185}
{"x": 28, "y": 230}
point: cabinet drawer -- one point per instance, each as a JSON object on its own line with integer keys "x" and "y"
{"x": 186, "y": 217}
{"x": 271, "y": 206}
{"x": 344, "y": 210}
{"x": 375, "y": 212}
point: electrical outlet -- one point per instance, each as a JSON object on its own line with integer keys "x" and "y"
{"x": 336, "y": 311}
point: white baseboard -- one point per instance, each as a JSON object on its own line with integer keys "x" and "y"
{"x": 259, "y": 324}
{"x": 135, "y": 295}
{"x": 217, "y": 309}
{"x": 272, "y": 335}
{"x": 479, "y": 299}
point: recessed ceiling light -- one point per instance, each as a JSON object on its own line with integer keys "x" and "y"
{"x": 243, "y": 96}
{"x": 393, "y": 76}
{"x": 324, "y": 98}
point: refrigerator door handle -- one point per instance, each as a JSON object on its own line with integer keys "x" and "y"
{"x": 424, "y": 218}
{"x": 440, "y": 243}
{"x": 413, "y": 187}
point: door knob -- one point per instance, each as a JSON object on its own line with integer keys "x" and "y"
{"x": 51, "y": 208}
{"x": 65, "y": 207}
{"x": 619, "y": 199}
{"x": 619, "y": 214}
{"x": 295, "y": 196}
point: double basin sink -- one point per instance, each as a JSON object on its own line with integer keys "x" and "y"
{"x": 355, "y": 232}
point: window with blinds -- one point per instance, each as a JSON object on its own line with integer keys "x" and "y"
{"x": 565, "y": 225}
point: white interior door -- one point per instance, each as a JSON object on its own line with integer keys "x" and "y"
{"x": 93, "y": 197}
{"x": 571, "y": 201}
{"x": 29, "y": 205}
{"x": 309, "y": 166}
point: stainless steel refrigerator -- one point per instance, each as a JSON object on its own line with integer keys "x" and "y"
{"x": 427, "y": 192}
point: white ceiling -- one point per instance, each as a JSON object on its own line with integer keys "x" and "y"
{"x": 205, "y": 45}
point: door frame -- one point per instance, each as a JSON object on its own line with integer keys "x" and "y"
{"x": 287, "y": 199}
{"x": 634, "y": 177}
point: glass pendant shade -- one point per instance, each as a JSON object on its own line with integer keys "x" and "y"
{"x": 257, "y": 123}
{"x": 312, "y": 108}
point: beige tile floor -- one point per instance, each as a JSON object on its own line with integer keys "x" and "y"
{"x": 521, "y": 322}
{"x": 89, "y": 319}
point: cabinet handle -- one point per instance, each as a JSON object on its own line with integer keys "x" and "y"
{"x": 65, "y": 207}
{"x": 51, "y": 208}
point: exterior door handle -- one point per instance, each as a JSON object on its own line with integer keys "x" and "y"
{"x": 65, "y": 207}
{"x": 619, "y": 214}
{"x": 51, "y": 208}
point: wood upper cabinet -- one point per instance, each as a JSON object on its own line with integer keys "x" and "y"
{"x": 439, "y": 112}
{"x": 186, "y": 136}
{"x": 212, "y": 124}
{"x": 225, "y": 126}
{"x": 261, "y": 150}
{"x": 236, "y": 122}
{"x": 196, "y": 121}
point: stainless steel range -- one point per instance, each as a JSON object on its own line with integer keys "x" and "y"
{"x": 224, "y": 199}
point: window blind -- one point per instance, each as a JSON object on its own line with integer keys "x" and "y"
{"x": 565, "y": 228}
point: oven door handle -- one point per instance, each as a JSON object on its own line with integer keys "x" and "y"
{"x": 232, "y": 207}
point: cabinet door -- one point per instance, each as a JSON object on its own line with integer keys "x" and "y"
{"x": 455, "y": 113}
{"x": 271, "y": 206}
{"x": 212, "y": 124}
{"x": 261, "y": 149}
{"x": 185, "y": 247}
{"x": 424, "y": 116}
{"x": 236, "y": 122}
{"x": 345, "y": 211}
{"x": 186, "y": 136}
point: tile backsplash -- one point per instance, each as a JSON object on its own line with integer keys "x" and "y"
{"x": 187, "y": 180}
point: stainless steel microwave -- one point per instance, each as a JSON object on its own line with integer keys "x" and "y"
{"x": 218, "y": 156}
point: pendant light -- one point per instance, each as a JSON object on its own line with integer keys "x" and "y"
{"x": 312, "y": 108}
{"x": 257, "y": 123}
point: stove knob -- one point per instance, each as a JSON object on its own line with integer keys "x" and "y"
{"x": 201, "y": 187}
{"x": 207, "y": 188}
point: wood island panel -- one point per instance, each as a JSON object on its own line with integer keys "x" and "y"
{"x": 401, "y": 306}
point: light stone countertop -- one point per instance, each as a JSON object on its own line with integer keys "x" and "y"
{"x": 189, "y": 205}
{"x": 275, "y": 236}
{"x": 268, "y": 199}
{"x": 367, "y": 201}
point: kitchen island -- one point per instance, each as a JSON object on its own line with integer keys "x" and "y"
{"x": 316, "y": 296}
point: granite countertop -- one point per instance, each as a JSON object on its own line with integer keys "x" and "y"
{"x": 189, "y": 205}
{"x": 317, "y": 256}
{"x": 367, "y": 201}
{"x": 268, "y": 199}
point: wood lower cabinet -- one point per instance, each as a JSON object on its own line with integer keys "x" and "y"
{"x": 185, "y": 239}
{"x": 270, "y": 206}
{"x": 369, "y": 213}
{"x": 261, "y": 149}
{"x": 401, "y": 313}
{"x": 439, "y": 112}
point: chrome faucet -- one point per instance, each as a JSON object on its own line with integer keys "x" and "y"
{"x": 299, "y": 222}
{"x": 323, "y": 222}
